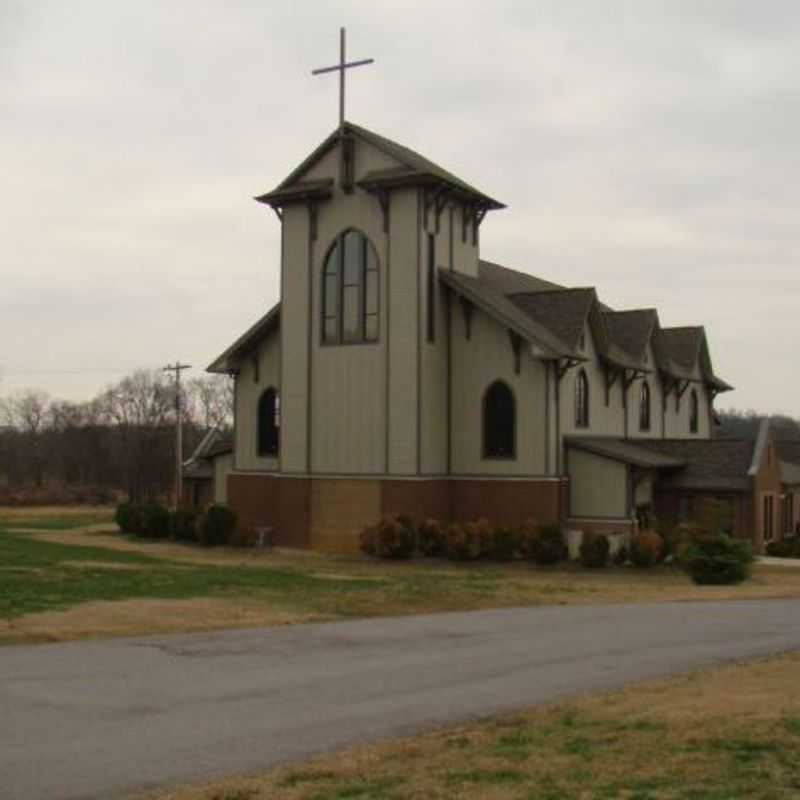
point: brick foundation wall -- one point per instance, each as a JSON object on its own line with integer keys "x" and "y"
{"x": 604, "y": 526}
{"x": 327, "y": 514}
{"x": 280, "y": 503}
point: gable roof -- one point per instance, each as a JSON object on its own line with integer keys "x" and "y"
{"x": 507, "y": 313}
{"x": 562, "y": 311}
{"x": 710, "y": 463}
{"x": 509, "y": 281}
{"x": 227, "y": 361}
{"x": 625, "y": 450}
{"x": 631, "y": 330}
{"x": 415, "y": 167}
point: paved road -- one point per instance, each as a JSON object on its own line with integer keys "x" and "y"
{"x": 97, "y": 719}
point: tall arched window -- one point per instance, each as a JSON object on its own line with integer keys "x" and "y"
{"x": 499, "y": 422}
{"x": 644, "y": 407}
{"x": 350, "y": 308}
{"x": 694, "y": 412}
{"x": 581, "y": 400}
{"x": 269, "y": 422}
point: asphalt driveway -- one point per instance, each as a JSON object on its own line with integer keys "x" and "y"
{"x": 101, "y": 719}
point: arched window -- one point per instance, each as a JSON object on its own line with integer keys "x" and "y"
{"x": 644, "y": 407}
{"x": 694, "y": 412}
{"x": 350, "y": 308}
{"x": 499, "y": 422}
{"x": 269, "y": 422}
{"x": 581, "y": 400}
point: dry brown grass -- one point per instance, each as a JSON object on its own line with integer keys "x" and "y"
{"x": 102, "y": 619}
{"x": 720, "y": 734}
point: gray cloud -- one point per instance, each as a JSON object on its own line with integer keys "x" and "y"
{"x": 647, "y": 148}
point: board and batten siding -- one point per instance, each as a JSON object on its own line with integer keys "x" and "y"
{"x": 598, "y": 486}
{"x": 248, "y": 393}
{"x": 478, "y": 362}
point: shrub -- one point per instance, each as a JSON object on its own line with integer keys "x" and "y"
{"x": 527, "y": 538}
{"x": 462, "y": 542}
{"x": 395, "y": 537}
{"x": 719, "y": 560}
{"x": 548, "y": 545}
{"x": 155, "y": 521}
{"x": 482, "y": 531}
{"x": 646, "y": 549}
{"x": 594, "y": 550}
{"x": 125, "y": 517}
{"x": 243, "y": 537}
{"x": 621, "y": 556}
{"x": 504, "y": 544}
{"x": 183, "y": 525}
{"x": 216, "y": 525}
{"x": 432, "y": 539}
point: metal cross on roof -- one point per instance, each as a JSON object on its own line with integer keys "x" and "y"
{"x": 341, "y": 68}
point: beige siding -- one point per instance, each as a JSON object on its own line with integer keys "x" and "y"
{"x": 656, "y": 403}
{"x": 248, "y": 392}
{"x": 677, "y": 421}
{"x": 598, "y": 486}
{"x": 604, "y": 420}
{"x": 477, "y": 363}
{"x": 294, "y": 340}
{"x": 223, "y": 466}
{"x": 402, "y": 307}
{"x": 433, "y": 362}
{"x": 348, "y": 382}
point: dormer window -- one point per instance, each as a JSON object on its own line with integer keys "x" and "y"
{"x": 350, "y": 307}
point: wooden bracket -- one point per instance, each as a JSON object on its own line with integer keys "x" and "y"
{"x": 466, "y": 308}
{"x": 480, "y": 213}
{"x": 564, "y": 366}
{"x": 682, "y": 387}
{"x": 516, "y": 347}
{"x": 278, "y": 212}
{"x": 384, "y": 200}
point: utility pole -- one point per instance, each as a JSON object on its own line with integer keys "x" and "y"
{"x": 177, "y": 368}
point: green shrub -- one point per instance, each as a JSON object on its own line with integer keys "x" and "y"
{"x": 463, "y": 542}
{"x": 482, "y": 530}
{"x": 432, "y": 539}
{"x": 155, "y": 521}
{"x": 528, "y": 533}
{"x": 216, "y": 525}
{"x": 395, "y": 537}
{"x": 183, "y": 525}
{"x": 126, "y": 517}
{"x": 594, "y": 550}
{"x": 504, "y": 544}
{"x": 646, "y": 549}
{"x": 548, "y": 546}
{"x": 719, "y": 560}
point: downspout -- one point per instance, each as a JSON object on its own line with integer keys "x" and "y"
{"x": 558, "y": 422}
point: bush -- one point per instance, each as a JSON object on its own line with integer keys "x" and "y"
{"x": 243, "y": 537}
{"x": 621, "y": 556}
{"x": 548, "y": 546}
{"x": 463, "y": 543}
{"x": 395, "y": 537}
{"x": 155, "y": 521}
{"x": 594, "y": 550}
{"x": 785, "y": 548}
{"x": 432, "y": 539}
{"x": 719, "y": 560}
{"x": 126, "y": 517}
{"x": 504, "y": 544}
{"x": 527, "y": 538}
{"x": 216, "y": 525}
{"x": 183, "y": 525}
{"x": 646, "y": 549}
{"x": 482, "y": 530}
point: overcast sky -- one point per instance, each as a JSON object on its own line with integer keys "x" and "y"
{"x": 647, "y": 148}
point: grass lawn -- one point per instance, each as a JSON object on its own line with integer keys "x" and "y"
{"x": 720, "y": 734}
{"x": 59, "y": 573}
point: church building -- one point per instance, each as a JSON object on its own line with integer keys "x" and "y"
{"x": 400, "y": 372}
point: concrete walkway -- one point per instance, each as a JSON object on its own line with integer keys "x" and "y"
{"x": 98, "y": 719}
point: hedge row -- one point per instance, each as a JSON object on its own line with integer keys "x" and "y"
{"x": 785, "y": 548}
{"x": 396, "y": 537}
{"x": 708, "y": 558}
{"x": 214, "y": 526}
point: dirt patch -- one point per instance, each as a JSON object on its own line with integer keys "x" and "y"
{"x": 144, "y": 616}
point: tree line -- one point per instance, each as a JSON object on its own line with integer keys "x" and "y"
{"x": 745, "y": 424}
{"x": 122, "y": 440}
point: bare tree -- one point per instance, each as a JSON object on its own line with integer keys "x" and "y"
{"x": 213, "y": 400}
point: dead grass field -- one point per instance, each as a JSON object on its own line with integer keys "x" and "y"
{"x": 719, "y": 734}
{"x": 193, "y": 589}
